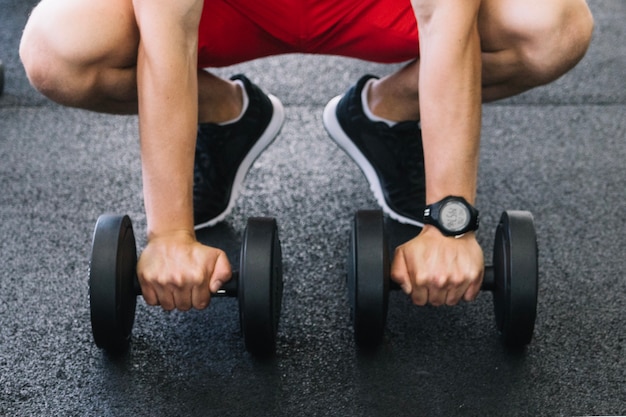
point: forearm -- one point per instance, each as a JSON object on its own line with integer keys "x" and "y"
{"x": 168, "y": 109}
{"x": 167, "y": 151}
{"x": 433, "y": 268}
{"x": 450, "y": 99}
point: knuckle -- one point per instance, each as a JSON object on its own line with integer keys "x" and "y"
{"x": 151, "y": 301}
{"x": 147, "y": 277}
{"x": 198, "y": 278}
{"x": 177, "y": 281}
{"x": 422, "y": 280}
{"x": 440, "y": 281}
{"x": 436, "y": 301}
{"x": 201, "y": 305}
{"x": 418, "y": 299}
{"x": 453, "y": 298}
{"x": 172, "y": 281}
{"x": 457, "y": 281}
{"x": 167, "y": 306}
{"x": 468, "y": 297}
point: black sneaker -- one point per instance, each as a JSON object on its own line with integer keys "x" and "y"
{"x": 391, "y": 158}
{"x": 224, "y": 154}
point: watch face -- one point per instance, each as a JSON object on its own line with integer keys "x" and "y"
{"x": 454, "y": 216}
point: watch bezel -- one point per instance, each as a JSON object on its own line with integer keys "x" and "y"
{"x": 453, "y": 225}
{"x": 433, "y": 216}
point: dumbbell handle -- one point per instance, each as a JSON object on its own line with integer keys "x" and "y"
{"x": 489, "y": 281}
{"x": 229, "y": 289}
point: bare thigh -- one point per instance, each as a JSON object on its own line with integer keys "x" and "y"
{"x": 75, "y": 51}
{"x": 527, "y": 43}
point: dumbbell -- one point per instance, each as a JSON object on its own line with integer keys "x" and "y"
{"x": 114, "y": 287}
{"x": 513, "y": 277}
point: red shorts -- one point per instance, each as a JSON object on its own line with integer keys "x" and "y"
{"x": 234, "y": 31}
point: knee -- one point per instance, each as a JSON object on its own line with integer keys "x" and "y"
{"x": 38, "y": 69}
{"x": 47, "y": 58}
{"x": 30, "y": 51}
{"x": 555, "y": 39}
{"x": 73, "y": 50}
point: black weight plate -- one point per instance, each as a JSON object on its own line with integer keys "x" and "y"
{"x": 368, "y": 278}
{"x": 260, "y": 285}
{"x": 516, "y": 277}
{"x": 112, "y": 292}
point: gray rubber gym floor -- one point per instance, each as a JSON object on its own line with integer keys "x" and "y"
{"x": 558, "y": 151}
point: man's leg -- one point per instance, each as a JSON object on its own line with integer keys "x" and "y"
{"x": 525, "y": 44}
{"x": 84, "y": 54}
{"x": 531, "y": 43}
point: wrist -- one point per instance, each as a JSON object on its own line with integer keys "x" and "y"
{"x": 177, "y": 233}
{"x": 431, "y": 230}
{"x": 173, "y": 216}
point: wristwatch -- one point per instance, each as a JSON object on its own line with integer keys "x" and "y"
{"x": 453, "y": 216}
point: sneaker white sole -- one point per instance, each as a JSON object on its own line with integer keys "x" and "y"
{"x": 339, "y": 136}
{"x": 271, "y": 131}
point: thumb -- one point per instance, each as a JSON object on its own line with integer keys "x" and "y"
{"x": 222, "y": 273}
{"x": 399, "y": 272}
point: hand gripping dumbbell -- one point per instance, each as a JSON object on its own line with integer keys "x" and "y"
{"x": 114, "y": 287}
{"x": 513, "y": 277}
